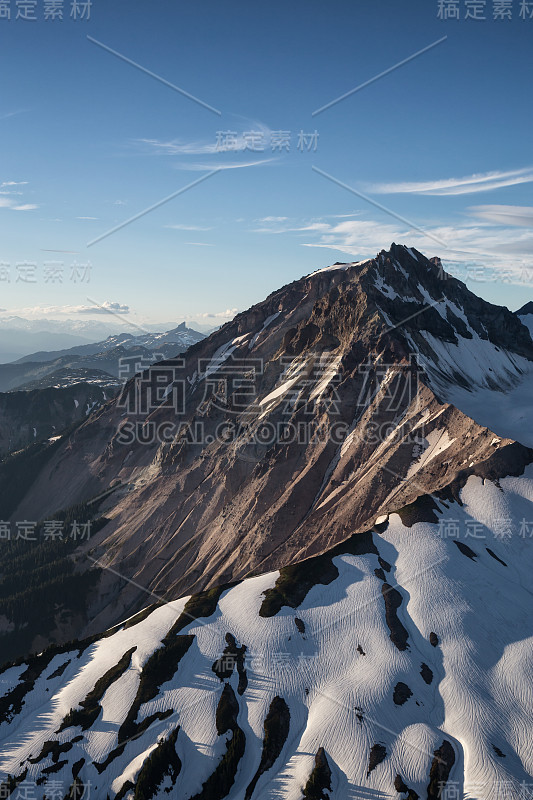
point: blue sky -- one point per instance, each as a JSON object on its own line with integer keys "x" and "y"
{"x": 90, "y": 140}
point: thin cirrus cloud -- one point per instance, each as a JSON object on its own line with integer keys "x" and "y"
{"x": 176, "y": 147}
{"x": 180, "y": 227}
{"x": 202, "y": 167}
{"x": 6, "y": 184}
{"x": 509, "y": 249}
{"x": 10, "y": 188}
{"x": 518, "y": 216}
{"x": 472, "y": 184}
{"x": 9, "y": 114}
{"x": 273, "y": 228}
{"x": 40, "y": 311}
{"x": 222, "y": 142}
{"x": 6, "y": 202}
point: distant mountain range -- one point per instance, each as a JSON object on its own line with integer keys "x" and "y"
{"x": 48, "y": 391}
{"x": 15, "y": 343}
{"x": 20, "y": 336}
{"x": 64, "y": 367}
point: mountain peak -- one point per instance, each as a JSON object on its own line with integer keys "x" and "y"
{"x": 410, "y": 258}
{"x": 526, "y": 309}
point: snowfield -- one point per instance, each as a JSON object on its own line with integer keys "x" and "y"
{"x": 497, "y": 388}
{"x": 450, "y": 660}
{"x": 506, "y": 413}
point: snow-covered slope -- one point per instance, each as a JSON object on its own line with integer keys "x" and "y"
{"x": 407, "y": 657}
{"x": 506, "y": 413}
{"x": 491, "y": 384}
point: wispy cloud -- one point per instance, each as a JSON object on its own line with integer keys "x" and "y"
{"x": 277, "y": 225}
{"x": 180, "y": 227}
{"x": 519, "y": 216}
{"x": 7, "y": 202}
{"x": 5, "y": 184}
{"x": 472, "y": 184}
{"x": 247, "y": 141}
{"x": 200, "y": 244}
{"x": 9, "y": 114}
{"x": 90, "y": 218}
{"x": 46, "y": 311}
{"x": 357, "y": 237}
{"x": 104, "y": 308}
{"x": 271, "y": 230}
{"x": 502, "y": 248}
{"x": 177, "y": 147}
{"x": 222, "y": 142}
{"x": 202, "y": 167}
{"x": 8, "y": 193}
{"x": 229, "y": 313}
{"x": 314, "y": 226}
